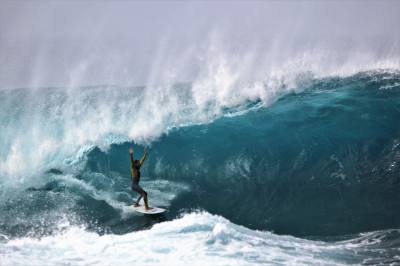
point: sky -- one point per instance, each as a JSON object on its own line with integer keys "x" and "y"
{"x": 77, "y": 43}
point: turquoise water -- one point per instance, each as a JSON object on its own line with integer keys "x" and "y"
{"x": 319, "y": 162}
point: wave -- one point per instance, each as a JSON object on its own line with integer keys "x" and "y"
{"x": 43, "y": 126}
{"x": 198, "y": 238}
{"x": 320, "y": 161}
{"x": 328, "y": 156}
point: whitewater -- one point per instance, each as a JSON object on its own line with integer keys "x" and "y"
{"x": 195, "y": 239}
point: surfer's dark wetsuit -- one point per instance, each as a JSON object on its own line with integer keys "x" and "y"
{"x": 135, "y": 175}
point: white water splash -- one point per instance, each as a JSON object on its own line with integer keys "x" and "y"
{"x": 195, "y": 239}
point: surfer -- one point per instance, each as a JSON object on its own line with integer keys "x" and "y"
{"x": 135, "y": 175}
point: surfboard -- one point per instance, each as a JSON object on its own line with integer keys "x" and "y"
{"x": 155, "y": 210}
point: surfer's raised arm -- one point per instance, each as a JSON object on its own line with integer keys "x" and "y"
{"x": 143, "y": 157}
{"x": 131, "y": 154}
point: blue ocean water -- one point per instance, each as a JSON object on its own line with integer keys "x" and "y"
{"x": 307, "y": 175}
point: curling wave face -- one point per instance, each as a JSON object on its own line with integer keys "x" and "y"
{"x": 319, "y": 158}
{"x": 324, "y": 161}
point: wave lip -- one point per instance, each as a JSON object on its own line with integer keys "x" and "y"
{"x": 197, "y": 239}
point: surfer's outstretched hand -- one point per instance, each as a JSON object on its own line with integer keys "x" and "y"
{"x": 131, "y": 150}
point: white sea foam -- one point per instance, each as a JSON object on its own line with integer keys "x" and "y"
{"x": 194, "y": 239}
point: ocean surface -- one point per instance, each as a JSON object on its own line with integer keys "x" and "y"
{"x": 305, "y": 172}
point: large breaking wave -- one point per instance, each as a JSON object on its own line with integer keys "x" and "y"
{"x": 320, "y": 158}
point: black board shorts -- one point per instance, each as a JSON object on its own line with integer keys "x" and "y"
{"x": 137, "y": 188}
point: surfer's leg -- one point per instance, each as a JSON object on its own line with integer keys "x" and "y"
{"x": 138, "y": 189}
{"x": 137, "y": 201}
{"x": 146, "y": 204}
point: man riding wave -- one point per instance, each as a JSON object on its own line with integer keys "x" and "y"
{"x": 135, "y": 175}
